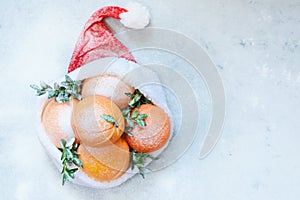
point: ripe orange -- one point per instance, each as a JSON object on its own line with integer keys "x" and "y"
{"x": 156, "y": 132}
{"x": 56, "y": 120}
{"x": 109, "y": 86}
{"x": 105, "y": 163}
{"x": 88, "y": 124}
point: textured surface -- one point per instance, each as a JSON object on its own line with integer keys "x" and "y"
{"x": 254, "y": 44}
{"x": 96, "y": 41}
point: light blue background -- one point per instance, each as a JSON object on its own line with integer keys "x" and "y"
{"x": 256, "y": 48}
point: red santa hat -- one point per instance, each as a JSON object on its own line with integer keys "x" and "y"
{"x": 97, "y": 41}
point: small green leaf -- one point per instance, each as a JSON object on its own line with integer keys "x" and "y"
{"x": 66, "y": 99}
{"x": 69, "y": 91}
{"x": 64, "y": 179}
{"x": 75, "y": 147}
{"x": 129, "y": 122}
{"x": 58, "y": 99}
{"x": 142, "y": 173}
{"x": 128, "y": 94}
{"x": 134, "y": 100}
{"x": 77, "y": 162}
{"x": 35, "y": 87}
{"x": 77, "y": 96}
{"x": 140, "y": 123}
{"x": 63, "y": 155}
{"x": 69, "y": 155}
{"x": 70, "y": 142}
{"x": 142, "y": 116}
{"x": 44, "y": 85}
{"x": 127, "y": 131}
{"x": 64, "y": 83}
{"x": 73, "y": 170}
{"x": 40, "y": 92}
{"x": 71, "y": 175}
{"x": 68, "y": 79}
{"x": 129, "y": 134}
{"x": 108, "y": 118}
{"x": 52, "y": 93}
{"x": 134, "y": 114}
{"x": 125, "y": 112}
{"x": 78, "y": 83}
{"x": 63, "y": 143}
{"x": 66, "y": 95}
{"x": 74, "y": 88}
{"x": 56, "y": 86}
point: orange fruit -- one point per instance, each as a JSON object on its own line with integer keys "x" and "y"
{"x": 89, "y": 125}
{"x": 105, "y": 163}
{"x": 109, "y": 86}
{"x": 155, "y": 133}
{"x": 56, "y": 120}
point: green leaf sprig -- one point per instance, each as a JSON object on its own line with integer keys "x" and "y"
{"x": 69, "y": 157}
{"x": 61, "y": 93}
{"x": 138, "y": 159}
{"x": 110, "y": 119}
{"x": 132, "y": 118}
{"x": 139, "y": 119}
{"x": 137, "y": 99}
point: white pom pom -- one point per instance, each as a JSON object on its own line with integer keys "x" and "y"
{"x": 137, "y": 17}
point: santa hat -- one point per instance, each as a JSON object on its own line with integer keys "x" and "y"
{"x": 97, "y": 41}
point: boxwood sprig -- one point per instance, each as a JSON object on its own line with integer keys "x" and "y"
{"x": 137, "y": 99}
{"x": 62, "y": 93}
{"x": 138, "y": 159}
{"x": 69, "y": 157}
{"x": 133, "y": 118}
{"x": 139, "y": 119}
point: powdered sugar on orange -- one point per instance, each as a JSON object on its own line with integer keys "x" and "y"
{"x": 156, "y": 132}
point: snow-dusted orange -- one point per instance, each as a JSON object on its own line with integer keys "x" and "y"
{"x": 88, "y": 123}
{"x": 56, "y": 120}
{"x": 156, "y": 132}
{"x": 109, "y": 86}
{"x": 105, "y": 163}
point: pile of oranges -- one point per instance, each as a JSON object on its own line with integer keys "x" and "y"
{"x": 104, "y": 148}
